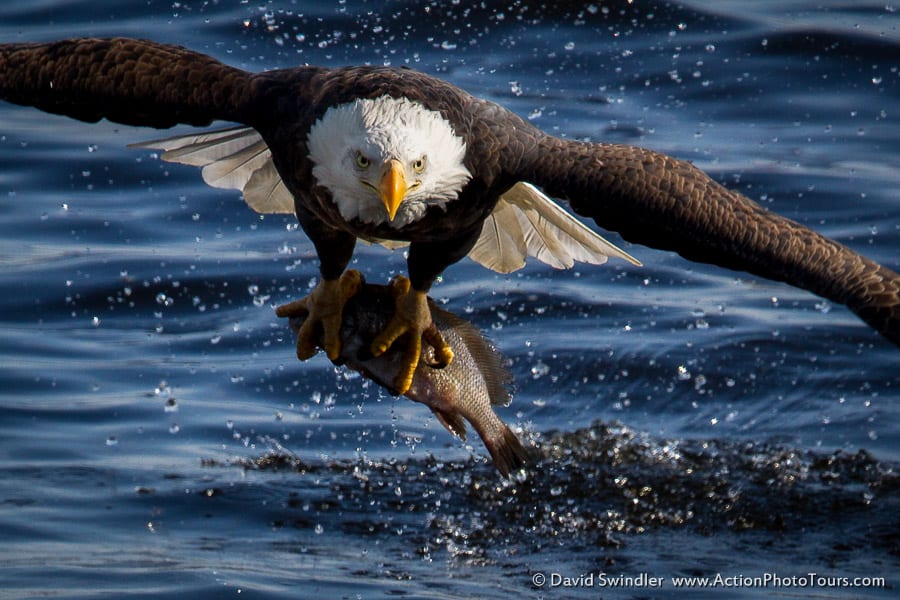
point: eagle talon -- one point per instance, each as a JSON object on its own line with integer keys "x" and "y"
{"x": 442, "y": 354}
{"x": 324, "y": 307}
{"x": 295, "y": 308}
{"x": 412, "y": 316}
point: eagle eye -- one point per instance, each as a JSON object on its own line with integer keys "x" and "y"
{"x": 419, "y": 165}
{"x": 362, "y": 161}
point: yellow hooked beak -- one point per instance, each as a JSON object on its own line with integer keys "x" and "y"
{"x": 392, "y": 188}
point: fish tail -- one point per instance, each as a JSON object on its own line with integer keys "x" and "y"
{"x": 507, "y": 452}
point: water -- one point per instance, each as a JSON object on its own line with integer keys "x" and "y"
{"x": 159, "y": 439}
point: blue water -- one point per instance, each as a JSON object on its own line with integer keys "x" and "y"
{"x": 158, "y": 437}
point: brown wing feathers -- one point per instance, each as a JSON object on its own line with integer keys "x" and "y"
{"x": 128, "y": 81}
{"x": 663, "y": 202}
{"x": 648, "y": 197}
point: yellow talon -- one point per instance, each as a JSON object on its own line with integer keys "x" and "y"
{"x": 325, "y": 307}
{"x": 412, "y": 316}
{"x": 443, "y": 353}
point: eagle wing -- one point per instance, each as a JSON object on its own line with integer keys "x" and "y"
{"x": 134, "y": 82}
{"x": 666, "y": 203}
{"x": 237, "y": 159}
{"x": 525, "y": 222}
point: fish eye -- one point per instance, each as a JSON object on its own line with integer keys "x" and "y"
{"x": 419, "y": 165}
{"x": 362, "y": 161}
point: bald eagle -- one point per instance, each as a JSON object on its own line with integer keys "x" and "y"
{"x": 394, "y": 156}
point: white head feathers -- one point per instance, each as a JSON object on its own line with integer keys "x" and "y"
{"x": 352, "y": 143}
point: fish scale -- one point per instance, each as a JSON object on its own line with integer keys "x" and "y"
{"x": 465, "y": 390}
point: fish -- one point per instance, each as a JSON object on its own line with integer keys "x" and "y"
{"x": 466, "y": 389}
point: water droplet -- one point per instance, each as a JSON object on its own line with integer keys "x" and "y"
{"x": 260, "y": 301}
{"x": 164, "y": 300}
{"x": 539, "y": 369}
{"x": 699, "y": 382}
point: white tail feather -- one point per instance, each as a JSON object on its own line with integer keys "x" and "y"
{"x": 236, "y": 158}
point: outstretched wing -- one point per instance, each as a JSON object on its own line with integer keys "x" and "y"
{"x": 526, "y": 222}
{"x": 134, "y": 82}
{"x": 237, "y": 159}
{"x": 663, "y": 202}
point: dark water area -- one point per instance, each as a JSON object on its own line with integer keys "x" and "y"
{"x": 158, "y": 437}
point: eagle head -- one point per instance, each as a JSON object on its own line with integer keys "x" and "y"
{"x": 387, "y": 160}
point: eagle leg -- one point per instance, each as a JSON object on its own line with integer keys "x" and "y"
{"x": 412, "y": 316}
{"x": 325, "y": 307}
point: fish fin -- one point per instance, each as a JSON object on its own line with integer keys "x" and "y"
{"x": 489, "y": 360}
{"x": 235, "y": 158}
{"x": 501, "y": 245}
{"x": 507, "y": 452}
{"x": 553, "y": 235}
{"x": 453, "y": 421}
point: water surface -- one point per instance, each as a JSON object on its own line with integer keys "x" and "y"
{"x": 159, "y": 438}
